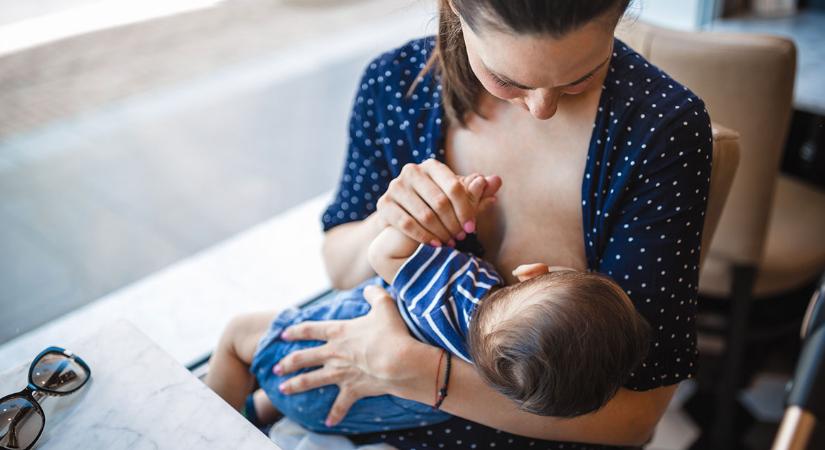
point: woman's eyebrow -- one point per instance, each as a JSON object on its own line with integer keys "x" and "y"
{"x": 510, "y": 81}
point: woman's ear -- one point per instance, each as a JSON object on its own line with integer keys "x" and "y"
{"x": 525, "y": 272}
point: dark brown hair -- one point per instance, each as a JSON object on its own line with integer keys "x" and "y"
{"x": 460, "y": 87}
{"x": 560, "y": 344}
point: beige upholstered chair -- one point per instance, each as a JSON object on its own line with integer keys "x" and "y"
{"x": 770, "y": 237}
{"x": 725, "y": 162}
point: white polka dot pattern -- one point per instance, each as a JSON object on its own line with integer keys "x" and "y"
{"x": 644, "y": 195}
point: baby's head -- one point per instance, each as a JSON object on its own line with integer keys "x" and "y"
{"x": 559, "y": 344}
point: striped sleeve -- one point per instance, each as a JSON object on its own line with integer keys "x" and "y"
{"x": 438, "y": 288}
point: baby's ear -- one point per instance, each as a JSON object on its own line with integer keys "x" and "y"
{"x": 525, "y": 272}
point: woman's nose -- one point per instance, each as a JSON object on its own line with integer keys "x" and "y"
{"x": 542, "y": 104}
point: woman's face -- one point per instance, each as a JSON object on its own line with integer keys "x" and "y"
{"x": 534, "y": 71}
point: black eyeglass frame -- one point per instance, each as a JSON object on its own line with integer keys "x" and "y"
{"x": 31, "y": 388}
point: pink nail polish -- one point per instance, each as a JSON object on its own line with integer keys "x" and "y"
{"x": 451, "y": 243}
{"x": 470, "y": 226}
{"x": 328, "y": 423}
{"x": 435, "y": 243}
{"x": 278, "y": 370}
{"x": 282, "y": 388}
{"x": 284, "y": 336}
{"x": 461, "y": 236}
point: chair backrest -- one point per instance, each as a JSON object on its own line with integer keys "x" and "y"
{"x": 747, "y": 83}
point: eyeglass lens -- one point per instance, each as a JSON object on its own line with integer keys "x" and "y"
{"x": 58, "y": 373}
{"x": 20, "y": 423}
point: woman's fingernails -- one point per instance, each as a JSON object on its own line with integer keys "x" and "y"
{"x": 282, "y": 388}
{"x": 435, "y": 243}
{"x": 328, "y": 423}
{"x": 284, "y": 336}
{"x": 451, "y": 243}
{"x": 470, "y": 226}
{"x": 461, "y": 236}
{"x": 278, "y": 369}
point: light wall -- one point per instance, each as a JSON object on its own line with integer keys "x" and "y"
{"x": 681, "y": 14}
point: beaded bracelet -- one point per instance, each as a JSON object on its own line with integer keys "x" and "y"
{"x": 442, "y": 393}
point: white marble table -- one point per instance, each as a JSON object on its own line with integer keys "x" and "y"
{"x": 139, "y": 397}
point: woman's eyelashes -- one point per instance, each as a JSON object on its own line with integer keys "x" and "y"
{"x": 571, "y": 88}
{"x": 583, "y": 80}
{"x": 579, "y": 87}
{"x": 500, "y": 82}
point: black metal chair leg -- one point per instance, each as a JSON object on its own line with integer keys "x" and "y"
{"x": 723, "y": 433}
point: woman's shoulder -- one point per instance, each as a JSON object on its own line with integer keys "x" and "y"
{"x": 640, "y": 90}
{"x": 644, "y": 112}
{"x": 396, "y": 112}
{"x": 411, "y": 55}
{"x": 393, "y": 72}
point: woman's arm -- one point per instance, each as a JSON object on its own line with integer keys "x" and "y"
{"x": 389, "y": 251}
{"x": 424, "y": 200}
{"x": 374, "y": 355}
{"x": 345, "y": 251}
{"x": 629, "y": 419}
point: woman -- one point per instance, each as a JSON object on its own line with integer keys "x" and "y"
{"x": 605, "y": 163}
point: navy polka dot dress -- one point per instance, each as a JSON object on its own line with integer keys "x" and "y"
{"x": 644, "y": 195}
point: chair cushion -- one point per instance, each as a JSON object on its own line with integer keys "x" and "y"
{"x": 795, "y": 248}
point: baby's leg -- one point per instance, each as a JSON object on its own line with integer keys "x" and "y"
{"x": 264, "y": 408}
{"x": 228, "y": 372}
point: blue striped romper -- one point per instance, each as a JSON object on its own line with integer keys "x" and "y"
{"x": 436, "y": 290}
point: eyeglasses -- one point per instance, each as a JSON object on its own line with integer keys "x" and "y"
{"x": 55, "y": 371}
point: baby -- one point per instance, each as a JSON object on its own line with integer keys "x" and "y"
{"x": 558, "y": 343}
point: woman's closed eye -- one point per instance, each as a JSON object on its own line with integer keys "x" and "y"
{"x": 568, "y": 88}
{"x": 500, "y": 82}
{"x": 579, "y": 86}
{"x": 582, "y": 81}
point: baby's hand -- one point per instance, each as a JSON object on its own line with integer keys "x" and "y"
{"x": 482, "y": 190}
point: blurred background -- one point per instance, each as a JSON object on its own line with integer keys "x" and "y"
{"x": 134, "y": 134}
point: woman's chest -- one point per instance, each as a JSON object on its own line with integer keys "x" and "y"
{"x": 538, "y": 215}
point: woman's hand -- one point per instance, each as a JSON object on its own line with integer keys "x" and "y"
{"x": 360, "y": 355}
{"x": 429, "y": 203}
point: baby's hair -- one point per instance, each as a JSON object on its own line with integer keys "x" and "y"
{"x": 560, "y": 344}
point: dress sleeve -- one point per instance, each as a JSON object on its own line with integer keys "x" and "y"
{"x": 655, "y": 240}
{"x": 439, "y": 288}
{"x": 366, "y": 175}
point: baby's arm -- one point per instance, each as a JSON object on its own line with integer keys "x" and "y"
{"x": 388, "y": 252}
{"x": 391, "y": 248}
